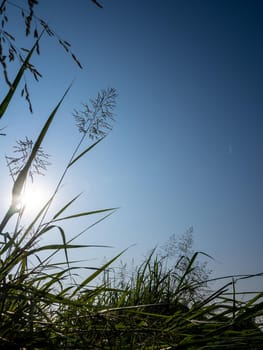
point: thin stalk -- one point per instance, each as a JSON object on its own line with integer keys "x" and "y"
{"x": 2, "y": 5}
{"x": 60, "y": 181}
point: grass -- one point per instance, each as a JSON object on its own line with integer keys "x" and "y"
{"x": 157, "y": 306}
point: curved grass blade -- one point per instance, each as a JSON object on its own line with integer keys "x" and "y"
{"x": 90, "y": 226}
{"x": 84, "y": 214}
{"x": 59, "y": 247}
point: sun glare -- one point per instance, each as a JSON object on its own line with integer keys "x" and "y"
{"x": 34, "y": 198}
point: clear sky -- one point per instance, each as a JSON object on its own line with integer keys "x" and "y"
{"x": 187, "y": 146}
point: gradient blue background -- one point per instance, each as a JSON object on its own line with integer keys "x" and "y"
{"x": 187, "y": 146}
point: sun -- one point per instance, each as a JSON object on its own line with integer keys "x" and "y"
{"x": 33, "y": 198}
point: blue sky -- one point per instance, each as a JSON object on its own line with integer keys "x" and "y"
{"x": 186, "y": 148}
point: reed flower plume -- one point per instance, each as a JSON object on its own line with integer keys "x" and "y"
{"x": 22, "y": 150}
{"x": 95, "y": 119}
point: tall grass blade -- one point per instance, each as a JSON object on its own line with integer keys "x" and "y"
{"x": 84, "y": 214}
{"x": 65, "y": 206}
{"x": 22, "y": 176}
{"x": 95, "y": 274}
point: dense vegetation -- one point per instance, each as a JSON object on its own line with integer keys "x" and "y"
{"x": 157, "y": 305}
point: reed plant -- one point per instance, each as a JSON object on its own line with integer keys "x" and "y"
{"x": 148, "y": 309}
{"x": 157, "y": 307}
{"x": 32, "y": 294}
